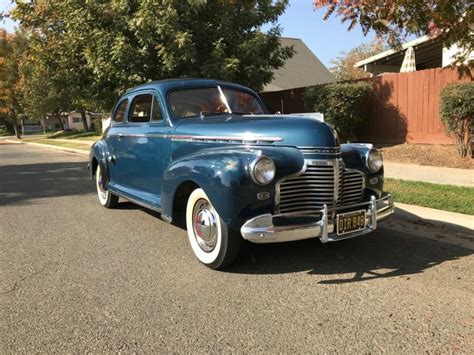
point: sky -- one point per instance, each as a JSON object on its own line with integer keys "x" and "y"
{"x": 326, "y": 39}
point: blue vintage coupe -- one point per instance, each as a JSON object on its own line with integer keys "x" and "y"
{"x": 206, "y": 154}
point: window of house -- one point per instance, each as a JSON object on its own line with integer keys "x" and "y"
{"x": 120, "y": 112}
{"x": 140, "y": 111}
{"x": 76, "y": 120}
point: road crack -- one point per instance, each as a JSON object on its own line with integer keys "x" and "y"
{"x": 27, "y": 277}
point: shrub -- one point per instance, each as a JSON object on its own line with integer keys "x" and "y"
{"x": 457, "y": 112}
{"x": 344, "y": 105}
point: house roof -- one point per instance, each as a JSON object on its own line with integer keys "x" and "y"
{"x": 428, "y": 52}
{"x": 303, "y": 69}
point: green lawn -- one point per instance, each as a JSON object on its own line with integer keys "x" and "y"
{"x": 61, "y": 144}
{"x": 442, "y": 197}
{"x": 90, "y": 136}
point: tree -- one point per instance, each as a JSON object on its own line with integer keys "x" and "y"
{"x": 57, "y": 53}
{"x": 43, "y": 95}
{"x": 343, "y": 66}
{"x": 12, "y": 48}
{"x": 393, "y": 20}
{"x": 102, "y": 48}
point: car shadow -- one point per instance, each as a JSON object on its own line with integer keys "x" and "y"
{"x": 23, "y": 182}
{"x": 382, "y": 254}
{"x": 127, "y": 205}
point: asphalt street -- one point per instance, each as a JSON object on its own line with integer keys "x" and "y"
{"x": 76, "y": 277}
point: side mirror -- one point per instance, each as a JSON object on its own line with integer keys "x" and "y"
{"x": 278, "y": 113}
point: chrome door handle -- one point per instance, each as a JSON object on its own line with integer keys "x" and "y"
{"x": 120, "y": 135}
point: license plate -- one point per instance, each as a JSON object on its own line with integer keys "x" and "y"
{"x": 350, "y": 222}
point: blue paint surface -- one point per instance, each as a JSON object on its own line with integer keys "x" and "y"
{"x": 149, "y": 162}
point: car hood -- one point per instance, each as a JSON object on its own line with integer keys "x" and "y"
{"x": 284, "y": 130}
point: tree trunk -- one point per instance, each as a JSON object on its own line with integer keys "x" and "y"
{"x": 60, "y": 121}
{"x": 17, "y": 130}
{"x": 84, "y": 121}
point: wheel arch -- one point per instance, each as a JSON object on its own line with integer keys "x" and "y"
{"x": 179, "y": 202}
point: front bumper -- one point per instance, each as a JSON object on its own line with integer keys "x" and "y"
{"x": 262, "y": 229}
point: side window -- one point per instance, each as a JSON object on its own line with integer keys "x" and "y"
{"x": 120, "y": 113}
{"x": 157, "y": 114}
{"x": 140, "y": 111}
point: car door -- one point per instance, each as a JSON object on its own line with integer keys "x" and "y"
{"x": 145, "y": 148}
{"x": 113, "y": 140}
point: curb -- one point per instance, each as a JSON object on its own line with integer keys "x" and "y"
{"x": 64, "y": 149}
{"x": 442, "y": 220}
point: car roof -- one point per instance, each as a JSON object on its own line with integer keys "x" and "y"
{"x": 172, "y": 84}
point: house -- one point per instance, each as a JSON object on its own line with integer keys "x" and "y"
{"x": 71, "y": 121}
{"x": 74, "y": 119}
{"x": 303, "y": 69}
{"x": 429, "y": 53}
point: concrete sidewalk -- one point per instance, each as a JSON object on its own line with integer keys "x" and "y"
{"x": 78, "y": 141}
{"x": 433, "y": 174}
{"x": 458, "y": 222}
{"x": 84, "y": 151}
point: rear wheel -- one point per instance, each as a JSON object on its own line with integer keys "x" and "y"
{"x": 106, "y": 198}
{"x": 213, "y": 242}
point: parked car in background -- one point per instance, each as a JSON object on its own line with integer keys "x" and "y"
{"x": 207, "y": 154}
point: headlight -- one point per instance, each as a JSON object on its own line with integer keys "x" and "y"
{"x": 374, "y": 160}
{"x": 263, "y": 171}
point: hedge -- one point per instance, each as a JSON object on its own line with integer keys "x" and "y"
{"x": 457, "y": 113}
{"x": 344, "y": 105}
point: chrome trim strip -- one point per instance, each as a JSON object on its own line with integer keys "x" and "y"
{"x": 137, "y": 135}
{"x": 244, "y": 139}
{"x": 189, "y": 138}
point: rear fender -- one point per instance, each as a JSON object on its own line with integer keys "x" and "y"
{"x": 100, "y": 152}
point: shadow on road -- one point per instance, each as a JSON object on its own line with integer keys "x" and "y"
{"x": 382, "y": 254}
{"x": 20, "y": 183}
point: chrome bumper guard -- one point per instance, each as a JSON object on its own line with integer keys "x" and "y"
{"x": 261, "y": 229}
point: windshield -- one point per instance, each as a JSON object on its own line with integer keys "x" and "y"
{"x": 213, "y": 100}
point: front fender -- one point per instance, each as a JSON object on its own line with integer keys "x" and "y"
{"x": 354, "y": 156}
{"x": 224, "y": 174}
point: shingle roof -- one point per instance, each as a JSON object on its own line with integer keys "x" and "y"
{"x": 303, "y": 69}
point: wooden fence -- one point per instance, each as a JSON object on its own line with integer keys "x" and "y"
{"x": 404, "y": 107}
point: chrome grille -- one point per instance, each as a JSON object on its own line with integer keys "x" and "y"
{"x": 351, "y": 186}
{"x": 323, "y": 182}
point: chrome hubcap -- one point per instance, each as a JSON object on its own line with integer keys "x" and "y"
{"x": 205, "y": 225}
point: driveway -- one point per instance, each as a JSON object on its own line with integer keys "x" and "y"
{"x": 75, "y": 277}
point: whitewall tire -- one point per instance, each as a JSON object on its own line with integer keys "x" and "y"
{"x": 212, "y": 242}
{"x": 106, "y": 198}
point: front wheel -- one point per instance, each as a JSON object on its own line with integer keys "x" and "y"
{"x": 106, "y": 198}
{"x": 212, "y": 241}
